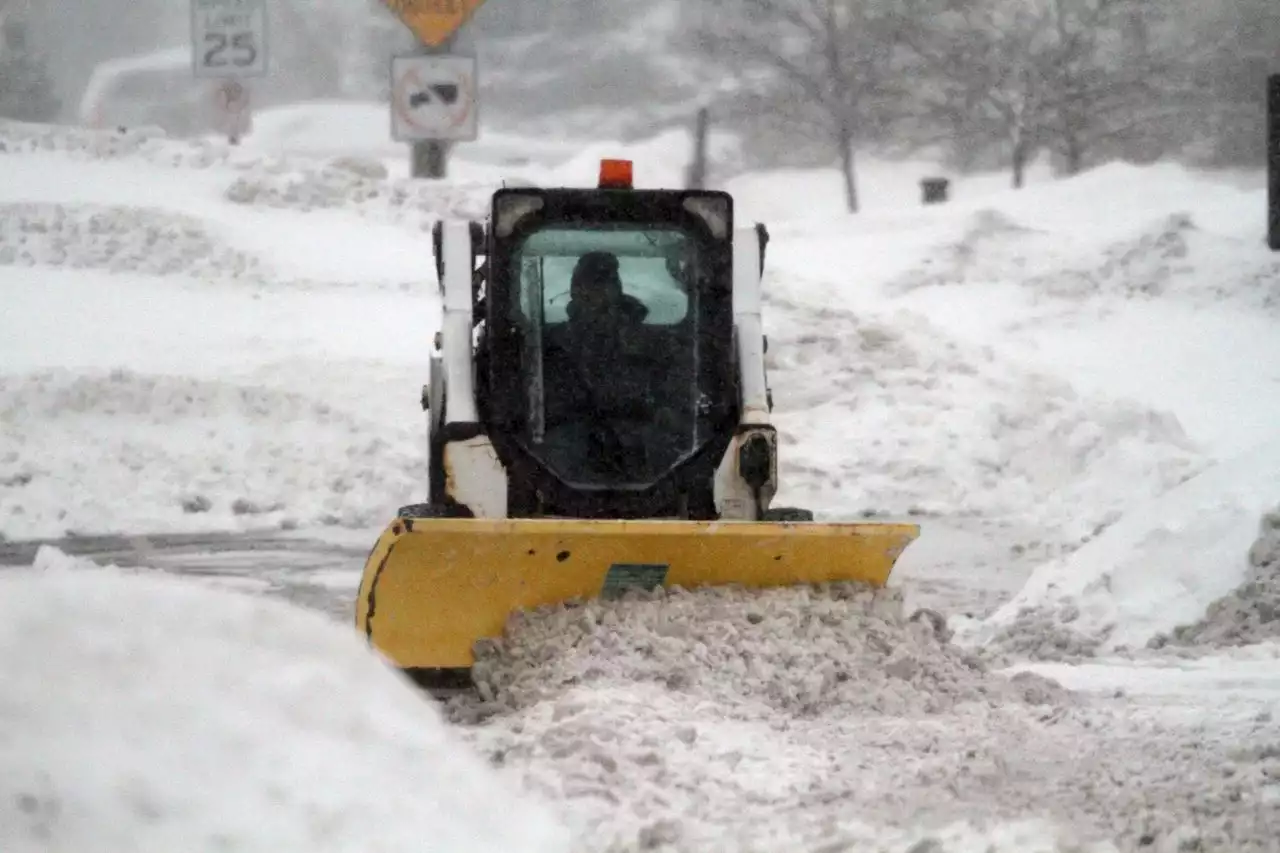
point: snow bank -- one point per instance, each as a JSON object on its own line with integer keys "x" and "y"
{"x": 361, "y": 185}
{"x": 196, "y": 244}
{"x": 126, "y": 451}
{"x": 1176, "y": 256}
{"x": 151, "y": 145}
{"x": 1117, "y": 198}
{"x": 1251, "y": 613}
{"x": 1169, "y": 255}
{"x": 1160, "y": 566}
{"x": 992, "y": 246}
{"x": 249, "y": 407}
{"x": 1208, "y": 362}
{"x": 887, "y": 415}
{"x": 660, "y": 162}
{"x": 291, "y": 181}
{"x": 142, "y": 713}
{"x": 118, "y": 239}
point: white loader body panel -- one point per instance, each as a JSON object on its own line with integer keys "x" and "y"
{"x": 474, "y": 475}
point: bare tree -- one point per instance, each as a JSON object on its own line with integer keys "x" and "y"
{"x": 981, "y": 73}
{"x": 1225, "y": 49}
{"x": 1106, "y": 81}
{"x": 1082, "y": 83}
{"x": 821, "y": 65}
{"x": 1078, "y": 77}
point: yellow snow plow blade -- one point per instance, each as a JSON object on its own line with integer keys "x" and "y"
{"x": 433, "y": 587}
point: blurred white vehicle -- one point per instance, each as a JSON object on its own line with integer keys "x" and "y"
{"x": 149, "y": 90}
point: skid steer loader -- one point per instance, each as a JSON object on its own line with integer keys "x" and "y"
{"x": 598, "y": 420}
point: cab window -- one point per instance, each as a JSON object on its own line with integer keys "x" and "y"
{"x": 655, "y": 265}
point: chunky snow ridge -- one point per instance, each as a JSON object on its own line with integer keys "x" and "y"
{"x": 829, "y": 719}
{"x": 1160, "y": 567}
{"x": 806, "y": 652}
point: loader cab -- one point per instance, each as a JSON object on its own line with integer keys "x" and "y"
{"x": 606, "y": 375}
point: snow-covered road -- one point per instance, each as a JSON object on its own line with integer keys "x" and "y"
{"x": 315, "y": 573}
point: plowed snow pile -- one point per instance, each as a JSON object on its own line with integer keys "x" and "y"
{"x": 146, "y": 714}
{"x": 807, "y": 719}
{"x": 118, "y": 239}
{"x": 907, "y": 419}
{"x": 354, "y": 184}
{"x": 804, "y": 652}
{"x": 1165, "y": 564}
{"x": 288, "y": 182}
{"x": 1162, "y": 258}
{"x": 84, "y": 453}
{"x": 1250, "y": 614}
{"x": 994, "y": 247}
{"x": 150, "y": 145}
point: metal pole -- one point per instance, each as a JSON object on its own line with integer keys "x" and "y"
{"x": 701, "y": 156}
{"x": 430, "y": 159}
{"x": 1273, "y": 162}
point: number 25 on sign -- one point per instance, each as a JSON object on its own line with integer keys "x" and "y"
{"x": 229, "y": 38}
{"x": 433, "y": 21}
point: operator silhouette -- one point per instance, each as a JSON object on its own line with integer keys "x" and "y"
{"x": 597, "y": 303}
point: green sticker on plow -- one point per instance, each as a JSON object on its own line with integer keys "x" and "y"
{"x": 625, "y": 576}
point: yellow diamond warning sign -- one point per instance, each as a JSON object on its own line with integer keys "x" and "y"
{"x": 433, "y": 21}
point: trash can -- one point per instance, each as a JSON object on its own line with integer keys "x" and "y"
{"x": 935, "y": 190}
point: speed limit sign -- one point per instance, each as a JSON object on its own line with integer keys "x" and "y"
{"x": 229, "y": 38}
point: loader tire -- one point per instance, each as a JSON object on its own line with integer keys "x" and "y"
{"x": 441, "y": 683}
{"x": 422, "y": 511}
{"x": 450, "y": 510}
{"x": 788, "y": 514}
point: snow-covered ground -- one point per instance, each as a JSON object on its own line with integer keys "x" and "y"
{"x": 153, "y": 714}
{"x": 1072, "y": 388}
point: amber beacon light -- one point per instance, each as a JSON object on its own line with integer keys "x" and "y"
{"x": 615, "y": 174}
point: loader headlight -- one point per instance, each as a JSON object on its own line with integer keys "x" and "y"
{"x": 755, "y": 461}
{"x": 713, "y": 210}
{"x": 509, "y": 209}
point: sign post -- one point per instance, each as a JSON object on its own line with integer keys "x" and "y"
{"x": 234, "y": 110}
{"x": 434, "y": 92}
{"x": 1273, "y": 162}
{"x": 229, "y": 45}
